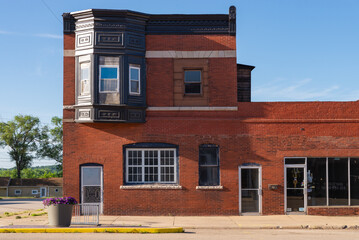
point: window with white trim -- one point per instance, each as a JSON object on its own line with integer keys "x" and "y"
{"x": 34, "y": 192}
{"x": 84, "y": 78}
{"x": 134, "y": 80}
{"x": 150, "y": 165}
{"x": 17, "y": 192}
{"x": 109, "y": 74}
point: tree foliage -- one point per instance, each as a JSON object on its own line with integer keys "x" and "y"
{"x": 51, "y": 146}
{"x": 23, "y": 135}
{"x": 45, "y": 172}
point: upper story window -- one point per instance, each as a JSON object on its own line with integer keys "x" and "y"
{"x": 135, "y": 82}
{"x": 208, "y": 165}
{"x": 109, "y": 74}
{"x": 84, "y": 78}
{"x": 192, "y": 82}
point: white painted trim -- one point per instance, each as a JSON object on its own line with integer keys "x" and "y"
{"x": 139, "y": 79}
{"x": 192, "y": 108}
{"x": 192, "y": 54}
{"x": 209, "y": 187}
{"x": 41, "y": 191}
{"x": 69, "y": 53}
{"x": 83, "y": 52}
{"x": 151, "y": 186}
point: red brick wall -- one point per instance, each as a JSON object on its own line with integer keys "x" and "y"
{"x": 190, "y": 42}
{"x": 333, "y": 211}
{"x": 241, "y": 141}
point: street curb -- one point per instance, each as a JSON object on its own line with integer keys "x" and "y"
{"x": 92, "y": 230}
{"x": 314, "y": 227}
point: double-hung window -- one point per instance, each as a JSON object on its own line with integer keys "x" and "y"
{"x": 148, "y": 165}
{"x": 208, "y": 165}
{"x": 85, "y": 78}
{"x": 192, "y": 82}
{"x": 109, "y": 74}
{"x": 134, "y": 77}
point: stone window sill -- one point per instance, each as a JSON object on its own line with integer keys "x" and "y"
{"x": 151, "y": 187}
{"x": 209, "y": 187}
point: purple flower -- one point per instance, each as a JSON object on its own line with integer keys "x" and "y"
{"x": 56, "y": 201}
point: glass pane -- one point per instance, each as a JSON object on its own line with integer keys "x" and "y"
{"x": 317, "y": 181}
{"x": 84, "y": 71}
{"x": 249, "y": 178}
{"x": 135, "y": 73}
{"x": 295, "y": 200}
{"x": 295, "y": 177}
{"x": 92, "y": 194}
{"x": 208, "y": 156}
{"x": 108, "y": 85}
{"x": 108, "y": 72}
{"x": 192, "y": 76}
{"x": 250, "y": 202}
{"x": 192, "y": 88}
{"x": 354, "y": 181}
{"x": 91, "y": 176}
{"x": 338, "y": 181}
{"x": 295, "y": 161}
{"x": 135, "y": 87}
{"x": 208, "y": 176}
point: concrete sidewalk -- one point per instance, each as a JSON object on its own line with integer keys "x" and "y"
{"x": 208, "y": 222}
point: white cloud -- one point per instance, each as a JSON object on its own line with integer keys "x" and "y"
{"x": 42, "y": 35}
{"x": 285, "y": 90}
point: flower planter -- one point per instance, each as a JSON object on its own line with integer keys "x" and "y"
{"x": 60, "y": 215}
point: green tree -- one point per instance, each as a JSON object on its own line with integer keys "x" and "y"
{"x": 51, "y": 147}
{"x": 23, "y": 135}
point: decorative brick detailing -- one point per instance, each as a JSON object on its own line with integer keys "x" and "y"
{"x": 333, "y": 211}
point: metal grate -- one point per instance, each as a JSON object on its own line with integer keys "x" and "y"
{"x": 86, "y": 214}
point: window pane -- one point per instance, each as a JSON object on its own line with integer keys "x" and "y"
{"x": 295, "y": 161}
{"x": 208, "y": 156}
{"x": 192, "y": 76}
{"x": 135, "y": 87}
{"x": 134, "y": 73}
{"x": 249, "y": 178}
{"x": 295, "y": 200}
{"x": 338, "y": 181}
{"x": 108, "y": 85}
{"x": 295, "y": 177}
{"x": 208, "y": 176}
{"x": 192, "y": 88}
{"x": 317, "y": 181}
{"x": 354, "y": 181}
{"x": 250, "y": 201}
{"x": 108, "y": 72}
{"x": 91, "y": 176}
{"x": 84, "y": 71}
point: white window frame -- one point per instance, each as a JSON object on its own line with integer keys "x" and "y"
{"x": 111, "y": 79}
{"x": 17, "y": 192}
{"x": 88, "y": 79}
{"x": 130, "y": 79}
{"x": 34, "y": 191}
{"x": 175, "y": 179}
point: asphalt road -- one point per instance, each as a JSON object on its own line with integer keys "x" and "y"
{"x": 18, "y": 205}
{"x": 199, "y": 234}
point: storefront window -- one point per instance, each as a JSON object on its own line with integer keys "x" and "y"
{"x": 354, "y": 181}
{"x": 338, "y": 181}
{"x": 316, "y": 178}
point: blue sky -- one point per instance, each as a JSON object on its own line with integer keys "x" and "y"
{"x": 303, "y": 50}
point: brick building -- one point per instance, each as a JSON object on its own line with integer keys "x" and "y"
{"x": 158, "y": 121}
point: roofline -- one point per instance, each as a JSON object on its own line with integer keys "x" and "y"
{"x": 246, "y": 66}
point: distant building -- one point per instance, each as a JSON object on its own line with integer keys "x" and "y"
{"x": 158, "y": 120}
{"x": 35, "y": 187}
{"x": 4, "y": 184}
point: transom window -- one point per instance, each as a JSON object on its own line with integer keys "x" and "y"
{"x": 85, "y": 78}
{"x": 151, "y": 166}
{"x": 208, "y": 165}
{"x": 134, "y": 77}
{"x": 192, "y": 82}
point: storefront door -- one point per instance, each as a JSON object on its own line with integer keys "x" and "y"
{"x": 295, "y": 189}
{"x": 250, "y": 190}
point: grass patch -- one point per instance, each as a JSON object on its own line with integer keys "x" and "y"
{"x": 38, "y": 214}
{"x": 18, "y": 217}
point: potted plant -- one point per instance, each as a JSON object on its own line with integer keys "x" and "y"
{"x": 60, "y": 210}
